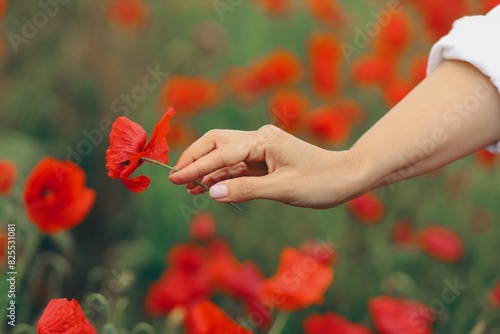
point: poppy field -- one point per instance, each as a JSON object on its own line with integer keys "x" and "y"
{"x": 98, "y": 99}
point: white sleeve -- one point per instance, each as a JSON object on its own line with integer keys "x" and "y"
{"x": 476, "y": 40}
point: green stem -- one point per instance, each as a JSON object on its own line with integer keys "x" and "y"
{"x": 234, "y": 206}
{"x": 279, "y": 323}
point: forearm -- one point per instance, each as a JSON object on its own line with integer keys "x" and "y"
{"x": 452, "y": 113}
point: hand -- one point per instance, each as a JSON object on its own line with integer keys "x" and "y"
{"x": 267, "y": 164}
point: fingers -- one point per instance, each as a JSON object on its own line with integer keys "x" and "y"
{"x": 247, "y": 188}
{"x": 205, "y": 144}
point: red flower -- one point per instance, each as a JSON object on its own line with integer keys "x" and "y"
{"x": 332, "y": 323}
{"x": 287, "y": 107}
{"x": 403, "y": 233}
{"x": 489, "y": 5}
{"x": 440, "y": 243}
{"x": 325, "y": 59}
{"x": 186, "y": 282}
{"x": 322, "y": 253}
{"x": 202, "y": 226}
{"x": 188, "y": 95}
{"x": 64, "y": 317}
{"x": 367, "y": 208}
{"x": 299, "y": 282}
{"x": 8, "y": 176}
{"x": 3, "y": 9}
{"x": 241, "y": 280}
{"x": 326, "y": 11}
{"x": 395, "y": 316}
{"x": 419, "y": 69}
{"x": 331, "y": 124}
{"x": 127, "y": 146}
{"x": 394, "y": 37}
{"x": 495, "y": 296}
{"x": 128, "y": 13}
{"x": 372, "y": 70}
{"x": 485, "y": 158}
{"x": 396, "y": 89}
{"x": 274, "y": 7}
{"x": 208, "y": 318}
{"x": 55, "y": 196}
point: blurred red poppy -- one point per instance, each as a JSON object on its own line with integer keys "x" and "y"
{"x": 64, "y": 317}
{"x": 403, "y": 233}
{"x": 440, "y": 15}
{"x": 202, "y": 226}
{"x": 331, "y": 124}
{"x": 300, "y": 281}
{"x": 184, "y": 283}
{"x": 287, "y": 108}
{"x": 485, "y": 158}
{"x": 372, "y": 70}
{"x": 367, "y": 208}
{"x": 332, "y": 323}
{"x": 322, "y": 253}
{"x": 489, "y": 5}
{"x": 495, "y": 296}
{"x": 129, "y": 13}
{"x": 396, "y": 315}
{"x": 3, "y": 9}
{"x": 208, "y": 318}
{"x": 419, "y": 69}
{"x": 8, "y": 176}
{"x": 324, "y": 61}
{"x": 394, "y": 38}
{"x": 274, "y": 7}
{"x": 188, "y": 95}
{"x": 127, "y": 146}
{"x": 241, "y": 280}
{"x": 278, "y": 69}
{"x": 326, "y": 11}
{"x": 55, "y": 196}
{"x": 440, "y": 243}
{"x": 396, "y": 89}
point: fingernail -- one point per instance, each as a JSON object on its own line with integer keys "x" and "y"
{"x": 218, "y": 191}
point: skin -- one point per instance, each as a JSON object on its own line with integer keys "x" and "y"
{"x": 452, "y": 113}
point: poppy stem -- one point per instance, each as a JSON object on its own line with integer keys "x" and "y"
{"x": 234, "y": 206}
{"x": 279, "y": 323}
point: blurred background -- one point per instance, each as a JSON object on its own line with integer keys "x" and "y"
{"x": 323, "y": 70}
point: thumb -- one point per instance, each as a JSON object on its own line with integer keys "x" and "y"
{"x": 246, "y": 188}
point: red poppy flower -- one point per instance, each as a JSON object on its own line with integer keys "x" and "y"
{"x": 128, "y": 13}
{"x": 495, "y": 296}
{"x": 184, "y": 283}
{"x": 396, "y": 89}
{"x": 325, "y": 59}
{"x": 278, "y": 69}
{"x": 208, "y": 318}
{"x": 485, "y": 158}
{"x": 274, "y": 7}
{"x": 241, "y": 280}
{"x": 396, "y": 315}
{"x": 372, "y": 70}
{"x": 299, "y": 282}
{"x": 287, "y": 107}
{"x": 64, "y": 317}
{"x": 489, "y": 5}
{"x": 127, "y": 146}
{"x": 326, "y": 11}
{"x": 8, "y": 176}
{"x": 189, "y": 95}
{"x": 395, "y": 37}
{"x": 320, "y": 252}
{"x": 330, "y": 124}
{"x": 440, "y": 243}
{"x": 403, "y": 233}
{"x": 419, "y": 69}
{"x": 55, "y": 196}
{"x": 367, "y": 208}
{"x": 202, "y": 226}
{"x": 332, "y": 323}
{"x": 3, "y": 9}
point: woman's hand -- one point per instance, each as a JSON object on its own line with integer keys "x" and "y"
{"x": 267, "y": 164}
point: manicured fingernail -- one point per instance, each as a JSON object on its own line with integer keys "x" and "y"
{"x": 218, "y": 191}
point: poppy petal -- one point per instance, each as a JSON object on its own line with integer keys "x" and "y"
{"x": 157, "y": 148}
